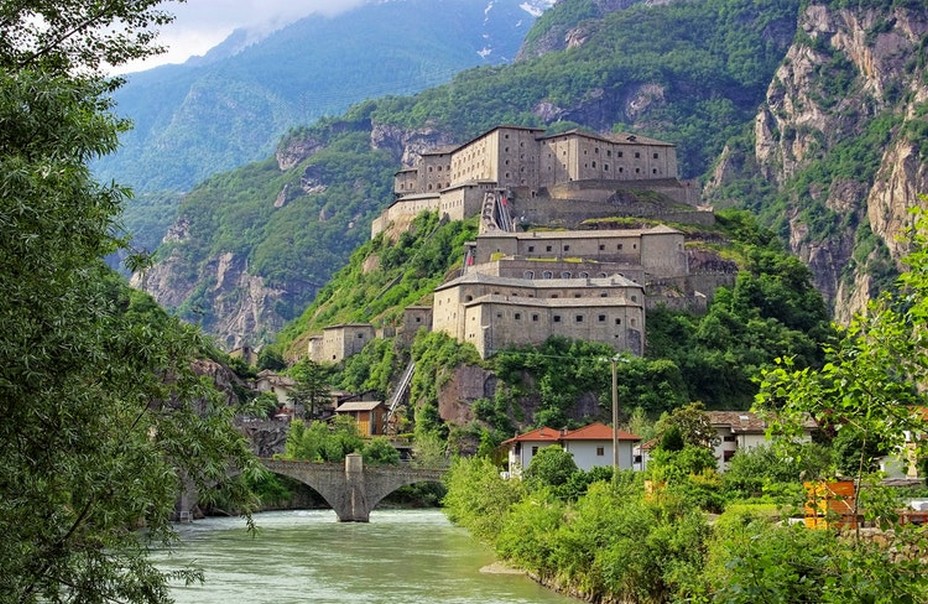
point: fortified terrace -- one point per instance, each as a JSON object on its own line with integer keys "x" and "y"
{"x": 534, "y": 271}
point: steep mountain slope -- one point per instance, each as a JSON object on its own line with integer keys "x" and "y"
{"x": 692, "y": 73}
{"x": 229, "y": 107}
{"x": 836, "y": 156}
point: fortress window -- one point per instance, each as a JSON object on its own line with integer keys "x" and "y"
{"x": 557, "y": 318}
{"x": 535, "y": 318}
{"x": 654, "y": 171}
{"x": 634, "y": 246}
{"x": 430, "y": 168}
{"x": 594, "y": 164}
{"x": 584, "y": 275}
{"x": 621, "y": 154}
{"x": 576, "y": 295}
{"x": 565, "y": 275}
{"x": 439, "y": 168}
{"x": 531, "y": 248}
{"x": 621, "y": 169}
{"x": 547, "y": 248}
{"x": 566, "y": 248}
{"x": 637, "y": 170}
{"x": 655, "y": 156}
{"x": 632, "y": 322}
{"x": 499, "y": 315}
{"x": 468, "y": 298}
{"x": 604, "y": 295}
{"x": 360, "y": 336}
{"x": 637, "y": 155}
{"x": 596, "y": 150}
{"x": 556, "y": 296}
{"x": 601, "y": 318}
{"x": 618, "y": 321}
{"x": 579, "y": 318}
{"x": 606, "y": 167}
{"x": 508, "y": 175}
{"x": 506, "y": 149}
{"x": 634, "y": 298}
{"x": 608, "y": 153}
{"x": 547, "y": 274}
{"x": 602, "y": 275}
{"x": 618, "y": 247}
{"x": 518, "y": 316}
{"x": 506, "y": 137}
{"x": 602, "y": 247}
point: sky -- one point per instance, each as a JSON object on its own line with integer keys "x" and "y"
{"x": 202, "y": 24}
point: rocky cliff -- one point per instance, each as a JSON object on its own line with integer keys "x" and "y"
{"x": 842, "y": 138}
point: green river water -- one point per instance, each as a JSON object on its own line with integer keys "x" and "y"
{"x": 400, "y": 557}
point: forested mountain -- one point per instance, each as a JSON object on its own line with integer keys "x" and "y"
{"x": 838, "y": 88}
{"x": 229, "y": 107}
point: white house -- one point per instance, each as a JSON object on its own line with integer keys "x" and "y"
{"x": 591, "y": 446}
{"x": 742, "y": 431}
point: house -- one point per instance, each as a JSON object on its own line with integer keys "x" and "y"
{"x": 590, "y": 446}
{"x": 742, "y": 431}
{"x": 370, "y": 416}
{"x": 278, "y": 385}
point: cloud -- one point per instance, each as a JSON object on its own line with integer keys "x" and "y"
{"x": 202, "y": 24}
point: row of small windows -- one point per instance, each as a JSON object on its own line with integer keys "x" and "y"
{"x": 602, "y": 247}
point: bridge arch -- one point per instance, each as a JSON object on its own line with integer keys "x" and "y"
{"x": 352, "y": 490}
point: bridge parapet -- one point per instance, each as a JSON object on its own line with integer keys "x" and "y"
{"x": 350, "y": 488}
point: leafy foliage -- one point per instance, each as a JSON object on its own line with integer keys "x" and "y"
{"x": 321, "y": 441}
{"x": 104, "y": 419}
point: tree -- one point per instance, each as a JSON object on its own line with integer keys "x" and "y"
{"x": 312, "y": 387}
{"x": 871, "y": 386}
{"x": 686, "y": 426}
{"x": 552, "y": 466}
{"x": 104, "y": 419}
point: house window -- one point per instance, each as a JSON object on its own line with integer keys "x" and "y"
{"x": 730, "y": 438}
{"x": 534, "y": 450}
{"x": 600, "y": 451}
{"x": 727, "y": 455}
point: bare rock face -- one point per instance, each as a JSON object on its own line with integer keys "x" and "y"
{"x": 406, "y": 145}
{"x": 847, "y": 68}
{"x": 641, "y": 99}
{"x": 295, "y": 151}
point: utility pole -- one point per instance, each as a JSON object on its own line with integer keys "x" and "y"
{"x": 617, "y": 358}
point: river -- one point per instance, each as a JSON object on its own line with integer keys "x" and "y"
{"x": 400, "y": 557}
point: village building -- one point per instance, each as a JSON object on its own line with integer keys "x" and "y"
{"x": 497, "y": 312}
{"x": 590, "y": 446}
{"x": 743, "y": 431}
{"x": 279, "y": 385}
{"x": 369, "y": 415}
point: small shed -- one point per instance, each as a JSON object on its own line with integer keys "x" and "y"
{"x": 370, "y": 416}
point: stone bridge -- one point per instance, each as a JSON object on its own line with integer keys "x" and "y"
{"x": 351, "y": 489}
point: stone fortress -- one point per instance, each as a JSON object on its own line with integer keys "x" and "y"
{"x": 537, "y": 267}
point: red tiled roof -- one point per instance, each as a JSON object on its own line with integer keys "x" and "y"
{"x": 543, "y": 434}
{"x": 597, "y": 431}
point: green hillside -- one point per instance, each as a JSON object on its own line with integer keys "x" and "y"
{"x": 696, "y": 72}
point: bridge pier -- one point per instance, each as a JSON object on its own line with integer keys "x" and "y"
{"x": 357, "y": 509}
